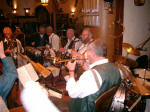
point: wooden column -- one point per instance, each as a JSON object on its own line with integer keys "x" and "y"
{"x": 119, "y": 29}
{"x": 108, "y": 27}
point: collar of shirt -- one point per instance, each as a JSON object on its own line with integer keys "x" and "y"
{"x": 71, "y": 39}
{"x": 51, "y": 36}
{"x": 99, "y": 62}
{"x": 5, "y": 40}
{"x": 82, "y": 46}
{"x": 41, "y": 35}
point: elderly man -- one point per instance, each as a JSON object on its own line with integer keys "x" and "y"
{"x": 11, "y": 44}
{"x": 72, "y": 44}
{"x": 54, "y": 40}
{"x": 9, "y": 75}
{"x": 101, "y": 76}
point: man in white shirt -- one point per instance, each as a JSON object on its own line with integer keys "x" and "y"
{"x": 101, "y": 76}
{"x": 11, "y": 44}
{"x": 53, "y": 38}
{"x": 73, "y": 42}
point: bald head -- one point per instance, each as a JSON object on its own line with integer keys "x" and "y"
{"x": 70, "y": 34}
{"x": 7, "y": 32}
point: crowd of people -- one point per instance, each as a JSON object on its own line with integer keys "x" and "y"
{"x": 99, "y": 74}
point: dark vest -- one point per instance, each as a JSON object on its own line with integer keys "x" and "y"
{"x": 72, "y": 43}
{"x": 111, "y": 77}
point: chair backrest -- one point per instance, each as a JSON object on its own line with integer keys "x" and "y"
{"x": 103, "y": 102}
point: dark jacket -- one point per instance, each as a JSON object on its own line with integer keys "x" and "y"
{"x": 39, "y": 41}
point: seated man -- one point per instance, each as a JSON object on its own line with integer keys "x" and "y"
{"x": 72, "y": 44}
{"x": 54, "y": 40}
{"x": 9, "y": 75}
{"x": 86, "y": 37}
{"x": 101, "y": 77}
{"x": 11, "y": 44}
{"x": 39, "y": 39}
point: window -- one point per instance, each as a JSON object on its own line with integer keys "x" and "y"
{"x": 91, "y": 12}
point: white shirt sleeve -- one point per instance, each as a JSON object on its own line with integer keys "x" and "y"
{"x": 55, "y": 42}
{"x": 85, "y": 86}
{"x": 77, "y": 46}
{"x": 34, "y": 99}
{"x": 19, "y": 46}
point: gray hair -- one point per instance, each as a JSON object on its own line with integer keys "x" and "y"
{"x": 49, "y": 29}
{"x": 98, "y": 47}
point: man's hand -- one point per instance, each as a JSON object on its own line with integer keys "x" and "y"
{"x": 76, "y": 55}
{"x": 85, "y": 66}
{"x": 8, "y": 51}
{"x": 2, "y": 54}
{"x": 66, "y": 78}
{"x": 62, "y": 50}
{"x": 40, "y": 47}
{"x": 33, "y": 43}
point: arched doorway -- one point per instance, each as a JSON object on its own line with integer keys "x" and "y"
{"x": 42, "y": 14}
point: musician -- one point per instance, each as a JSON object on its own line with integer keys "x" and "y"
{"x": 101, "y": 76}
{"x": 11, "y": 44}
{"x": 54, "y": 40}
{"x": 39, "y": 39}
{"x": 9, "y": 75}
{"x": 87, "y": 37}
{"x": 73, "y": 42}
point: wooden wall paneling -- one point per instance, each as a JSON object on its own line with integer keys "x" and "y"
{"x": 118, "y": 23}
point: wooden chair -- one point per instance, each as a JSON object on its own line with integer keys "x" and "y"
{"x": 103, "y": 102}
